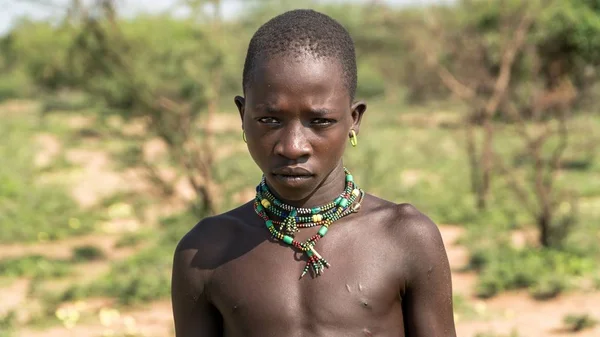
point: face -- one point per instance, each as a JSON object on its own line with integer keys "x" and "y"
{"x": 297, "y": 117}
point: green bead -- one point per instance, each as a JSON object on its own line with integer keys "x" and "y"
{"x": 309, "y": 253}
{"x": 316, "y": 210}
{"x": 349, "y": 178}
{"x": 259, "y": 208}
{"x": 288, "y": 239}
{"x": 337, "y": 200}
{"x": 344, "y": 203}
{"x": 269, "y": 223}
{"x": 323, "y": 231}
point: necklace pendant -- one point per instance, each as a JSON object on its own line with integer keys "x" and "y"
{"x": 356, "y": 207}
{"x": 320, "y": 262}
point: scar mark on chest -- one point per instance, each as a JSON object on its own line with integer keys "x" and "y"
{"x": 367, "y": 332}
{"x": 348, "y": 288}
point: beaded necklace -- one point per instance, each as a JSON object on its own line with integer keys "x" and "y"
{"x": 296, "y": 218}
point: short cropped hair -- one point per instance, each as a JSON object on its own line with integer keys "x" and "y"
{"x": 300, "y": 32}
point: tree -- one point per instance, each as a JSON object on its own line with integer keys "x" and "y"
{"x": 510, "y": 64}
{"x": 186, "y": 78}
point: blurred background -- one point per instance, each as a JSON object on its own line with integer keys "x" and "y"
{"x": 118, "y": 132}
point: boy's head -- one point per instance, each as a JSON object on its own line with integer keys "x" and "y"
{"x": 301, "y": 33}
{"x": 299, "y": 82}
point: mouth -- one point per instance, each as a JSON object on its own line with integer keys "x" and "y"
{"x": 292, "y": 176}
{"x": 293, "y": 181}
{"x": 292, "y": 172}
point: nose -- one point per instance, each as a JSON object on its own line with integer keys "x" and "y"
{"x": 293, "y": 142}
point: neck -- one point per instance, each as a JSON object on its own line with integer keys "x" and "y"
{"x": 327, "y": 191}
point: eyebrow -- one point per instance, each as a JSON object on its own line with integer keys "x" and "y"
{"x": 317, "y": 111}
{"x": 321, "y": 111}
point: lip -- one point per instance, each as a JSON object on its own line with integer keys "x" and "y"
{"x": 296, "y": 181}
{"x": 294, "y": 177}
{"x": 299, "y": 172}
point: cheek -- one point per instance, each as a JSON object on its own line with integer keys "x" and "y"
{"x": 260, "y": 150}
{"x": 257, "y": 149}
{"x": 331, "y": 145}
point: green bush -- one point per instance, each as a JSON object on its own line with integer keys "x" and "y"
{"x": 35, "y": 266}
{"x": 131, "y": 240}
{"x": 8, "y": 324}
{"x": 578, "y": 322}
{"x": 15, "y": 84}
{"x": 370, "y": 83}
{"x": 142, "y": 278}
{"x": 29, "y": 210}
{"x": 175, "y": 227}
{"x": 87, "y": 253}
{"x": 545, "y": 273}
{"x": 48, "y": 70}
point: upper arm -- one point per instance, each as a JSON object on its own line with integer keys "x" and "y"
{"x": 193, "y": 314}
{"x": 427, "y": 302}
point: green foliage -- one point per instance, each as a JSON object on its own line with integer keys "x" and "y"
{"x": 49, "y": 69}
{"x": 370, "y": 83}
{"x": 175, "y": 227}
{"x": 579, "y": 322}
{"x": 571, "y": 27}
{"x": 544, "y": 272}
{"x": 8, "y": 324}
{"x": 141, "y": 278}
{"x": 15, "y": 84}
{"x": 29, "y": 213}
{"x": 131, "y": 240}
{"x": 88, "y": 253}
{"x": 462, "y": 306}
{"x": 35, "y": 266}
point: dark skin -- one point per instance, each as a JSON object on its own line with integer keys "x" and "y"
{"x": 389, "y": 273}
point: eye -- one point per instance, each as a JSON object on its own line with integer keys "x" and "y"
{"x": 268, "y": 120}
{"x": 322, "y": 121}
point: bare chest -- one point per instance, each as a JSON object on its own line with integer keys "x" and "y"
{"x": 360, "y": 290}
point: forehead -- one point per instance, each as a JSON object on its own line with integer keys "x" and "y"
{"x": 306, "y": 79}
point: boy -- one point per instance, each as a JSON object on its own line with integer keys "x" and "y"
{"x": 313, "y": 254}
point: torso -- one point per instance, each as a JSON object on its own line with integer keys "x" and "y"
{"x": 254, "y": 281}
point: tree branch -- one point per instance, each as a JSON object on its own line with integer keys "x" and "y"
{"x": 508, "y": 59}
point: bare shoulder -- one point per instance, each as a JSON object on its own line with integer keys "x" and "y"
{"x": 416, "y": 226}
{"x": 403, "y": 220}
{"x": 419, "y": 241}
{"x": 410, "y": 230}
{"x": 206, "y": 245}
{"x": 210, "y": 236}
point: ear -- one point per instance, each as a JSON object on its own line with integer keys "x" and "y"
{"x": 240, "y": 103}
{"x": 358, "y": 109}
